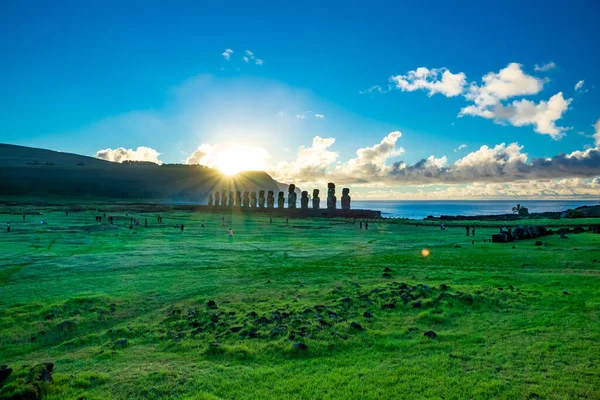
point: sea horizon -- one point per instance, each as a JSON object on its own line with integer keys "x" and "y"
{"x": 419, "y": 209}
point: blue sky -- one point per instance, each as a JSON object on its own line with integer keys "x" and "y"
{"x": 83, "y": 77}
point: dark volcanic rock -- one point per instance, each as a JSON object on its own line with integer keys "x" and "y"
{"x": 121, "y": 342}
{"x": 346, "y": 300}
{"x": 252, "y": 314}
{"x": 356, "y": 326}
{"x": 443, "y": 286}
{"x": 322, "y": 322}
{"x": 417, "y": 304}
{"x": 300, "y": 346}
{"x": 430, "y": 334}
{"x": 539, "y": 243}
{"x": 236, "y": 329}
{"x": 565, "y": 292}
{"x": 4, "y": 373}
{"x": 387, "y": 269}
{"x": 66, "y": 326}
{"x": 211, "y": 304}
{"x": 40, "y": 373}
{"x": 386, "y": 275}
{"x": 389, "y": 306}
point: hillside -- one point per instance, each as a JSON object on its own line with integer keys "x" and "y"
{"x": 26, "y": 171}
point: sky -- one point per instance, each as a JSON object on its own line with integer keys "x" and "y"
{"x": 436, "y": 100}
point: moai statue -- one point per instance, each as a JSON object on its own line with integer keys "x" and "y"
{"x": 261, "y": 199}
{"x": 292, "y": 196}
{"x": 280, "y": 200}
{"x": 224, "y": 198}
{"x": 246, "y": 202}
{"x": 316, "y": 199}
{"x": 238, "y": 199}
{"x": 331, "y": 199}
{"x": 217, "y": 199}
{"x": 210, "y": 199}
{"x": 345, "y": 199}
{"x": 270, "y": 199}
{"x": 253, "y": 199}
{"x": 304, "y": 200}
{"x": 230, "y": 200}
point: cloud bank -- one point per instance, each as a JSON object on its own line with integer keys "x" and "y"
{"x": 121, "y": 154}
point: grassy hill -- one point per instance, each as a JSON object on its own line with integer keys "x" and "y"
{"x": 46, "y": 174}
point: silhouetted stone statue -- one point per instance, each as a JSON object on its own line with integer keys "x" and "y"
{"x": 345, "y": 199}
{"x": 230, "y": 200}
{"x": 238, "y": 199}
{"x": 261, "y": 199}
{"x": 316, "y": 200}
{"x": 217, "y": 199}
{"x": 246, "y": 202}
{"x": 331, "y": 199}
{"x": 280, "y": 200}
{"x": 270, "y": 199}
{"x": 210, "y": 200}
{"x": 292, "y": 196}
{"x": 224, "y": 198}
{"x": 304, "y": 200}
{"x": 252, "y": 199}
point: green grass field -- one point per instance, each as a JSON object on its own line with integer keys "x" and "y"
{"x": 126, "y": 316}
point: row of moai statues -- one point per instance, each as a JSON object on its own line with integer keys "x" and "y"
{"x": 250, "y": 200}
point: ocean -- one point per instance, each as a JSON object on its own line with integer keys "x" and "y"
{"x": 422, "y": 209}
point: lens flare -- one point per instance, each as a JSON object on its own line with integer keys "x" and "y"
{"x": 425, "y": 252}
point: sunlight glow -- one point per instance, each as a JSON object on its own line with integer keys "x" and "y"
{"x": 232, "y": 160}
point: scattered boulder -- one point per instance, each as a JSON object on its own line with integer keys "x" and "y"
{"x": 4, "y": 373}
{"x": 41, "y": 373}
{"x": 300, "y": 346}
{"x": 236, "y": 329}
{"x": 539, "y": 243}
{"x": 386, "y": 275}
{"x": 322, "y": 322}
{"x": 211, "y": 304}
{"x": 565, "y": 292}
{"x": 66, "y": 326}
{"x": 500, "y": 238}
{"x": 356, "y": 326}
{"x": 387, "y": 269}
{"x": 346, "y": 300}
{"x": 389, "y": 306}
{"x": 121, "y": 342}
{"x": 443, "y": 286}
{"x": 367, "y": 315}
{"x": 430, "y": 334}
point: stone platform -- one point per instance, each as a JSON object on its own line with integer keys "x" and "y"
{"x": 287, "y": 212}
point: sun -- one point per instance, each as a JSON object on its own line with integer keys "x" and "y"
{"x": 232, "y": 160}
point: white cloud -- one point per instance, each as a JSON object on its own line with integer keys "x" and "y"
{"x": 121, "y": 154}
{"x": 320, "y": 116}
{"x": 579, "y": 85}
{"x": 201, "y": 156}
{"x": 249, "y": 53}
{"x": 245, "y": 59}
{"x": 227, "y": 54}
{"x": 511, "y": 82}
{"x": 375, "y": 88}
{"x": 259, "y": 61}
{"x": 422, "y": 78}
{"x": 545, "y": 67}
{"x": 597, "y": 133}
{"x": 462, "y": 146}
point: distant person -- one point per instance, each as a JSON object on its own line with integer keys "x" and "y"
{"x": 181, "y": 227}
{"x": 473, "y": 231}
{"x": 287, "y": 221}
{"x": 131, "y": 221}
{"x": 127, "y": 214}
{"x": 230, "y": 234}
{"x": 442, "y": 227}
{"x": 468, "y": 229}
{"x": 360, "y": 224}
{"x": 366, "y": 225}
{"x": 42, "y": 222}
{"x": 223, "y": 221}
{"x": 8, "y": 227}
{"x": 66, "y": 213}
{"x": 131, "y": 229}
{"x": 104, "y": 215}
{"x": 502, "y": 229}
{"x": 146, "y": 222}
{"x": 270, "y": 220}
{"x": 202, "y": 225}
{"x": 23, "y": 217}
